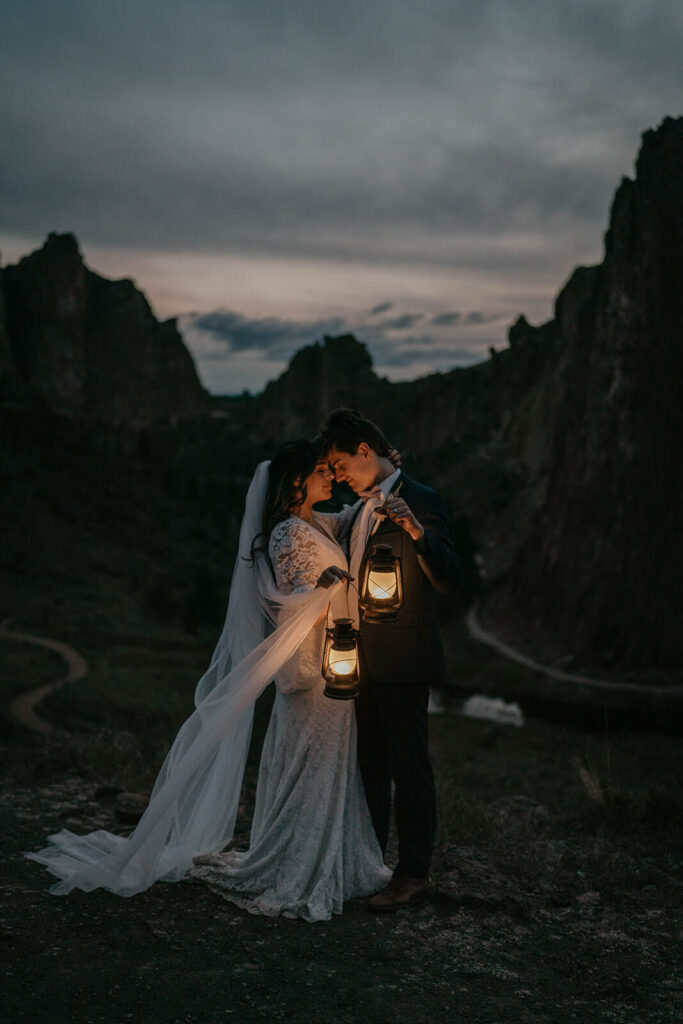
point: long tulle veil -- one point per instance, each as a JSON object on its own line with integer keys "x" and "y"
{"x": 193, "y": 805}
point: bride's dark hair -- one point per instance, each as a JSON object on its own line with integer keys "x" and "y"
{"x": 289, "y": 468}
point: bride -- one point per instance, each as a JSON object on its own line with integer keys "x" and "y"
{"x": 312, "y": 844}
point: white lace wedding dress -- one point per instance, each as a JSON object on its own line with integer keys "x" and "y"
{"x": 312, "y": 844}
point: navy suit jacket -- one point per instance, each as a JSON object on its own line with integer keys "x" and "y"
{"x": 409, "y": 650}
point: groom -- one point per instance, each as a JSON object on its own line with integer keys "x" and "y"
{"x": 399, "y": 660}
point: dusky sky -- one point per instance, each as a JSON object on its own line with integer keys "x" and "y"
{"x": 418, "y": 173}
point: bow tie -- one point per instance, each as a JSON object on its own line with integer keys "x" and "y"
{"x": 372, "y": 494}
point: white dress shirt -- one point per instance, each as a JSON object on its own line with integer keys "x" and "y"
{"x": 359, "y": 537}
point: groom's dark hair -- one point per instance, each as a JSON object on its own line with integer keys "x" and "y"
{"x": 345, "y": 429}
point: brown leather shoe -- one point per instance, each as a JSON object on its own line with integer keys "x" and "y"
{"x": 402, "y": 891}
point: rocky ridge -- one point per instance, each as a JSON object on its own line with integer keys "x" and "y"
{"x": 90, "y": 347}
{"x": 601, "y": 564}
{"x": 558, "y": 455}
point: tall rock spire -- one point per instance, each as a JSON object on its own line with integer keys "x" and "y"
{"x": 92, "y": 347}
{"x": 603, "y": 564}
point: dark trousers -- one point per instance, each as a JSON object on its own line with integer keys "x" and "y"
{"x": 392, "y": 745}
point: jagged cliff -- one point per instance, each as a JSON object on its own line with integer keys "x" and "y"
{"x": 560, "y": 455}
{"x": 562, "y": 452}
{"x": 602, "y": 564}
{"x": 92, "y": 347}
{"x": 9, "y": 375}
{"x": 337, "y": 371}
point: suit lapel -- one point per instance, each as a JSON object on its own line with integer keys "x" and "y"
{"x": 400, "y": 479}
{"x": 385, "y": 525}
{"x": 350, "y": 533}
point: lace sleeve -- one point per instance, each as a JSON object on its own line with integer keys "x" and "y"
{"x": 292, "y": 550}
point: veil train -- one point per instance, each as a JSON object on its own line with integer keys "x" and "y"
{"x": 194, "y": 802}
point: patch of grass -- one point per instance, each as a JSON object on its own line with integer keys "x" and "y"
{"x": 613, "y": 821}
{"x": 147, "y": 692}
{"x": 134, "y": 574}
{"x": 24, "y": 667}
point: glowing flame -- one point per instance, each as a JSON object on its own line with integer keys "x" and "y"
{"x": 342, "y": 668}
{"x": 342, "y": 663}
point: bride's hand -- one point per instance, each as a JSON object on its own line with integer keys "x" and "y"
{"x": 394, "y": 457}
{"x": 330, "y": 576}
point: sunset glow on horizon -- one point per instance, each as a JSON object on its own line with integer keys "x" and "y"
{"x": 418, "y": 176}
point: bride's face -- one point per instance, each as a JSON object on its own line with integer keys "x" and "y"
{"x": 319, "y": 483}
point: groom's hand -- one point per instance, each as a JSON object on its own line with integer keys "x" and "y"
{"x": 401, "y": 514}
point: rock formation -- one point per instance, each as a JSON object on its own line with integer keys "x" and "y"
{"x": 92, "y": 347}
{"x": 336, "y": 371}
{"x": 562, "y": 452}
{"x": 560, "y": 455}
{"x": 9, "y": 375}
{"x": 602, "y": 564}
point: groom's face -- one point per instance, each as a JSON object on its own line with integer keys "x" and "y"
{"x": 358, "y": 470}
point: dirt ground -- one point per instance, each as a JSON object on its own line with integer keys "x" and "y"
{"x": 539, "y": 921}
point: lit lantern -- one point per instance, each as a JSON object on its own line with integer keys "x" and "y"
{"x": 340, "y": 661}
{"x": 381, "y": 593}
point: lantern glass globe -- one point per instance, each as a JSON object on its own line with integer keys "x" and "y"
{"x": 382, "y": 585}
{"x": 342, "y": 663}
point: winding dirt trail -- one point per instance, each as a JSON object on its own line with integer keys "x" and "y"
{"x": 477, "y": 632}
{"x": 23, "y": 707}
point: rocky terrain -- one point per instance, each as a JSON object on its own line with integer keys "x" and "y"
{"x": 91, "y": 347}
{"x": 601, "y": 565}
{"x": 556, "y": 882}
{"x": 556, "y": 897}
{"x": 559, "y": 454}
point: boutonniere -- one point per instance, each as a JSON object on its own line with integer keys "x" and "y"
{"x": 380, "y": 513}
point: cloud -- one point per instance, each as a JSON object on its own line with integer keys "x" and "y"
{"x": 227, "y": 344}
{"x": 469, "y": 319}
{"x": 481, "y": 318}
{"x": 423, "y": 351}
{"x": 381, "y": 131}
{"x": 275, "y": 338}
{"x": 402, "y": 322}
{"x": 477, "y": 144}
{"x": 446, "y": 319}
